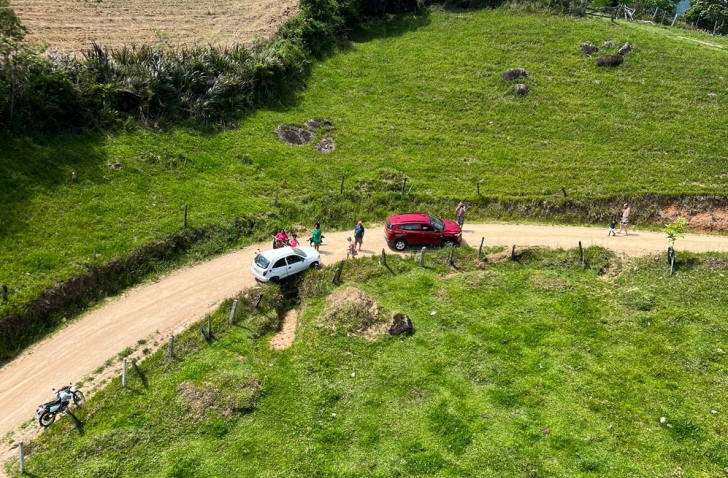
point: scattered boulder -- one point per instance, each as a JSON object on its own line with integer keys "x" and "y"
{"x": 326, "y": 145}
{"x": 588, "y": 49}
{"x": 608, "y": 44}
{"x": 294, "y": 135}
{"x": 610, "y": 60}
{"x": 521, "y": 89}
{"x": 400, "y": 324}
{"x": 626, "y": 48}
{"x": 116, "y": 165}
{"x": 514, "y": 73}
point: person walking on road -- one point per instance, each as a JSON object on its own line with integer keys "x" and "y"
{"x": 358, "y": 235}
{"x": 626, "y": 210}
{"x": 460, "y": 214}
{"x": 316, "y": 238}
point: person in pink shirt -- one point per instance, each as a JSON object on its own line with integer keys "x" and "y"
{"x": 294, "y": 241}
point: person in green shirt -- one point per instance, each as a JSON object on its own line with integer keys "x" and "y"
{"x": 316, "y": 239}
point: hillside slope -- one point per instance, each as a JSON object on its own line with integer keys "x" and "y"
{"x": 420, "y": 98}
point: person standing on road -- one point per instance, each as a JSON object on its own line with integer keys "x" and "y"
{"x": 626, "y": 210}
{"x": 460, "y": 214}
{"x": 358, "y": 235}
{"x": 316, "y": 238}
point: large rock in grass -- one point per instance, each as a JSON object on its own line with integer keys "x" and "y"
{"x": 610, "y": 60}
{"x": 521, "y": 89}
{"x": 514, "y": 73}
{"x": 400, "y": 324}
{"x": 588, "y": 49}
{"x": 626, "y": 48}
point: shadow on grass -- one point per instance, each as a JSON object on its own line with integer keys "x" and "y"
{"x": 29, "y": 167}
{"x": 389, "y": 27}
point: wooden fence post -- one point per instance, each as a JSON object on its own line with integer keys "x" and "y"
{"x": 184, "y": 224}
{"x": 513, "y": 253}
{"x": 257, "y": 302}
{"x": 480, "y": 249}
{"x": 384, "y": 258}
{"x": 452, "y": 254}
{"x": 5, "y": 292}
{"x": 337, "y": 273}
{"x": 422, "y": 257}
{"x": 581, "y": 253}
{"x": 170, "y": 347}
{"x": 674, "y": 20}
{"x": 231, "y": 320}
{"x": 477, "y": 186}
{"x": 563, "y": 190}
{"x": 123, "y": 374}
{"x": 404, "y": 184}
{"x": 275, "y": 203}
{"x": 21, "y": 454}
{"x": 341, "y": 188}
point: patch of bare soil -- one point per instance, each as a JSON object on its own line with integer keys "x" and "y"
{"x": 198, "y": 398}
{"x": 230, "y": 395}
{"x": 287, "y": 335}
{"x": 701, "y": 220}
{"x": 294, "y": 135}
{"x": 356, "y": 312}
{"x": 74, "y": 24}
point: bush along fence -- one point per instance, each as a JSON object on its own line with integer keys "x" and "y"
{"x": 708, "y": 16}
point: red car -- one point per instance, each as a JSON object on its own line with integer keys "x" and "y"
{"x": 403, "y": 230}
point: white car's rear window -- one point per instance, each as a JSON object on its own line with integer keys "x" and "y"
{"x": 261, "y": 261}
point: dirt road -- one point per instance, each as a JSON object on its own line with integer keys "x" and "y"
{"x": 174, "y": 302}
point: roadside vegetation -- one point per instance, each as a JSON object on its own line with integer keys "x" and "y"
{"x": 533, "y": 367}
{"x": 416, "y": 96}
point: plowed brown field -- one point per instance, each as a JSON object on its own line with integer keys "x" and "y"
{"x": 74, "y": 24}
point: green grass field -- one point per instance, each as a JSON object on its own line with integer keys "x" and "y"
{"x": 534, "y": 368}
{"x": 420, "y": 98}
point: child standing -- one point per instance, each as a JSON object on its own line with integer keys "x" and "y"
{"x": 294, "y": 241}
{"x": 351, "y": 250}
{"x": 612, "y": 225}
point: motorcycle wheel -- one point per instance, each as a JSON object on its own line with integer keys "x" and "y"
{"x": 78, "y": 397}
{"x": 47, "y": 419}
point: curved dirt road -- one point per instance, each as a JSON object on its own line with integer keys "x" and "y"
{"x": 176, "y": 301}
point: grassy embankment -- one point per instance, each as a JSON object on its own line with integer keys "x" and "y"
{"x": 418, "y": 98}
{"x": 529, "y": 368}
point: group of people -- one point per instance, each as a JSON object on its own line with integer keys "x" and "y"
{"x": 281, "y": 239}
{"x": 623, "y": 223}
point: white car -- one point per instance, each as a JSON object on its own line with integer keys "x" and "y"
{"x": 277, "y": 264}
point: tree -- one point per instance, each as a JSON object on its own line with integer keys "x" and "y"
{"x": 676, "y": 230}
{"x": 708, "y": 14}
{"x": 11, "y": 30}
